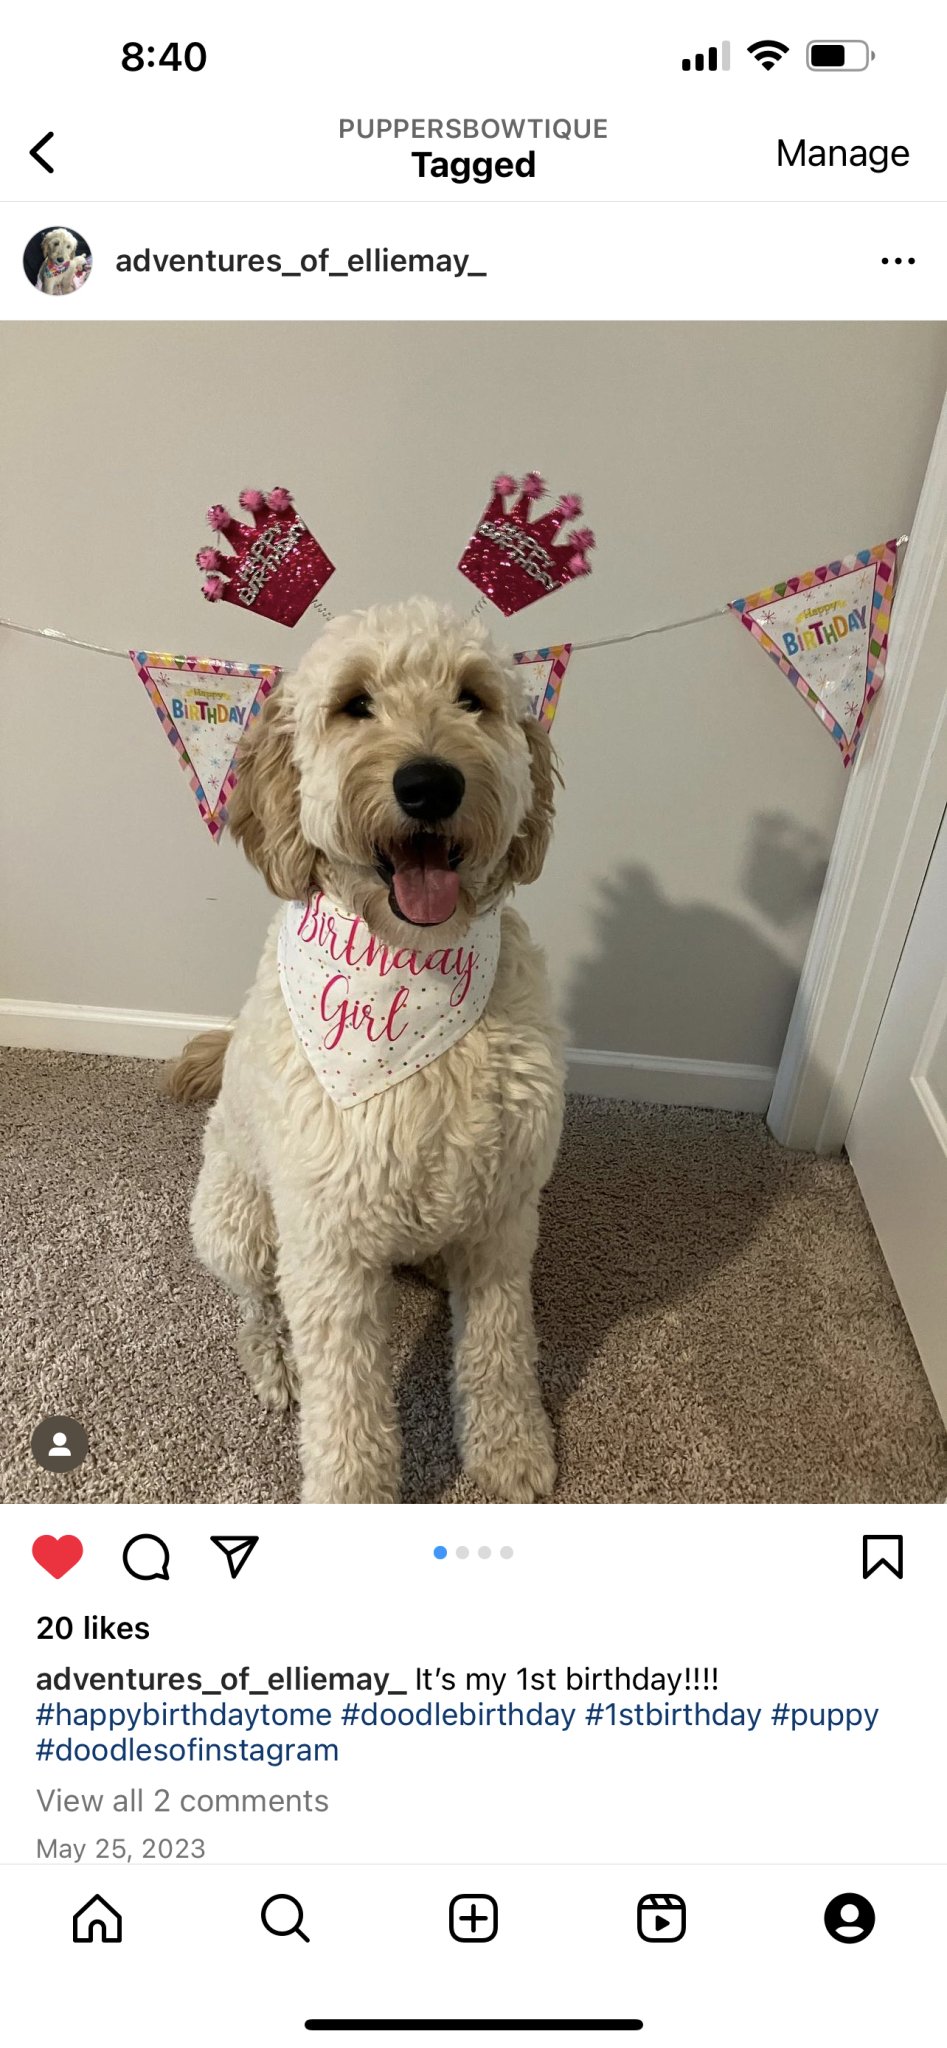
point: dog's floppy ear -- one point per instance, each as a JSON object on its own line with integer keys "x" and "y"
{"x": 263, "y": 813}
{"x": 531, "y": 844}
{"x": 44, "y": 245}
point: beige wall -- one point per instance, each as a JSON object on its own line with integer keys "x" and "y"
{"x": 701, "y": 795}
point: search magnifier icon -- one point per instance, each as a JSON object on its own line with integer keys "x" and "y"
{"x": 271, "y": 1920}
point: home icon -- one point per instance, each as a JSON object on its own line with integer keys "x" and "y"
{"x": 97, "y": 1921}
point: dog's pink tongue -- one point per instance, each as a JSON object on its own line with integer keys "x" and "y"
{"x": 426, "y": 887}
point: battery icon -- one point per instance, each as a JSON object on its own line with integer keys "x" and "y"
{"x": 840, "y": 56}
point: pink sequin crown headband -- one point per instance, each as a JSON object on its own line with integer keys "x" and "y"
{"x": 277, "y": 567}
{"x": 514, "y": 559}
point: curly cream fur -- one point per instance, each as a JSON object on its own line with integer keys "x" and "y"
{"x": 303, "y": 1208}
{"x": 196, "y": 1074}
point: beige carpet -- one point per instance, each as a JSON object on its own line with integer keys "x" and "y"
{"x": 717, "y": 1323}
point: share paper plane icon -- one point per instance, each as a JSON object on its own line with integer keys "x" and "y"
{"x": 236, "y": 1550}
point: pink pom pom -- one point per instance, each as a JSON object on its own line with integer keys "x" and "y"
{"x": 570, "y": 505}
{"x": 583, "y": 537}
{"x": 213, "y": 588}
{"x": 579, "y": 566}
{"x": 208, "y": 558}
{"x": 533, "y": 485}
{"x": 252, "y": 501}
{"x": 218, "y": 517}
{"x": 504, "y": 484}
{"x": 279, "y": 499}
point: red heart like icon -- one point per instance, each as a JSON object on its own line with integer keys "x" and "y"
{"x": 57, "y": 1554}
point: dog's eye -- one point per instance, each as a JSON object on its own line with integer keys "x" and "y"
{"x": 358, "y": 707}
{"x": 469, "y": 701}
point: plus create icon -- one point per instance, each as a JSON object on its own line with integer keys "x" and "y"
{"x": 473, "y": 1916}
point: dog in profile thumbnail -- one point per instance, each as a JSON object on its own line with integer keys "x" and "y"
{"x": 64, "y": 267}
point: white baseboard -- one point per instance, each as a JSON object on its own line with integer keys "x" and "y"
{"x": 690, "y": 1084}
{"x": 79, "y": 1027}
{"x": 624, "y": 1076}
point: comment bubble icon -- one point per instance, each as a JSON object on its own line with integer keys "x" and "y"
{"x": 146, "y": 1557}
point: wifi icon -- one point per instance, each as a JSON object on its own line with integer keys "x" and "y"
{"x": 768, "y": 51}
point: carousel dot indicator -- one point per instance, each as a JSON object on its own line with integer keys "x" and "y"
{"x": 441, "y": 1551}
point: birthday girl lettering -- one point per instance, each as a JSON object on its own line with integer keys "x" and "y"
{"x": 347, "y": 942}
{"x": 341, "y": 1013}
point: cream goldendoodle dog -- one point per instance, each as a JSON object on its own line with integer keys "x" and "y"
{"x": 392, "y": 1091}
{"x": 62, "y": 266}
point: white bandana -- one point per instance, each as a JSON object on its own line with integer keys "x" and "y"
{"x": 367, "y": 1014}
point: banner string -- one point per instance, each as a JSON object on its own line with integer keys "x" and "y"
{"x": 647, "y": 632}
{"x": 578, "y": 646}
{"x": 719, "y": 611}
{"x": 51, "y": 633}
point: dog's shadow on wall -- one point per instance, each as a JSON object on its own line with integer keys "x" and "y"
{"x": 645, "y": 1202}
{"x": 689, "y": 980}
{"x": 783, "y": 870}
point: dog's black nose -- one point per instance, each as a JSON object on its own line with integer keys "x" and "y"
{"x": 428, "y": 789}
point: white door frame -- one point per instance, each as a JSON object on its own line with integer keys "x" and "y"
{"x": 889, "y": 823}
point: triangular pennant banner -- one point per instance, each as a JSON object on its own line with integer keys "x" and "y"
{"x": 828, "y": 632}
{"x": 544, "y": 669}
{"x": 204, "y": 706}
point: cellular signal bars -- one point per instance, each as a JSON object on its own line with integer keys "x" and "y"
{"x": 711, "y": 62}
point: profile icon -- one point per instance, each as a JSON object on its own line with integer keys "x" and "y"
{"x": 57, "y": 261}
{"x": 59, "y": 1443}
{"x": 849, "y": 1917}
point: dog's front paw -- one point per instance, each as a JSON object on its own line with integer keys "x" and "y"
{"x": 325, "y": 1488}
{"x": 264, "y": 1353}
{"x": 518, "y": 1464}
{"x": 351, "y": 1469}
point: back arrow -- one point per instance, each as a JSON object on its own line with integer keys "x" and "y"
{"x": 35, "y": 152}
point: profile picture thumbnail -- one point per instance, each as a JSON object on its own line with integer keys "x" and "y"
{"x": 57, "y": 261}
